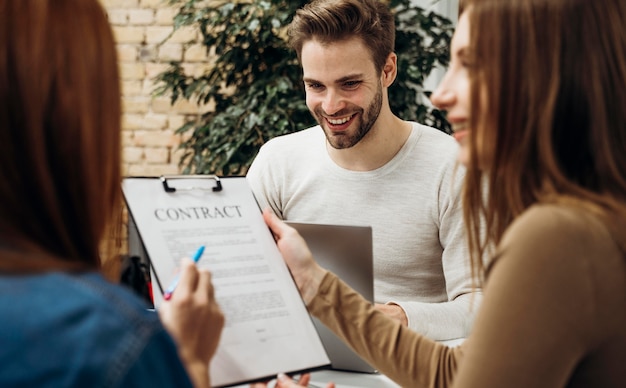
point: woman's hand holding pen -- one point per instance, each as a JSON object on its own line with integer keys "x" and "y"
{"x": 306, "y": 272}
{"x": 194, "y": 319}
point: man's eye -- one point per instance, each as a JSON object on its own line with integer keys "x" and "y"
{"x": 351, "y": 84}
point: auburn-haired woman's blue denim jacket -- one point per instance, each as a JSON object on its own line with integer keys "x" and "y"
{"x": 78, "y": 330}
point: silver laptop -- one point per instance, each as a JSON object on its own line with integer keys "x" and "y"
{"x": 347, "y": 252}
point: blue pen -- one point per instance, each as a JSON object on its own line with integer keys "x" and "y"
{"x": 168, "y": 293}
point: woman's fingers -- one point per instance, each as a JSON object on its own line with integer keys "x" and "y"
{"x": 205, "y": 288}
{"x": 188, "y": 279}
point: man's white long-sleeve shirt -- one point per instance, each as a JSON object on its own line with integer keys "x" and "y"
{"x": 413, "y": 205}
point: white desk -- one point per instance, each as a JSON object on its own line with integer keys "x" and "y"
{"x": 342, "y": 379}
{"x": 319, "y": 379}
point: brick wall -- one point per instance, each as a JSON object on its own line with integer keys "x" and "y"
{"x": 142, "y": 31}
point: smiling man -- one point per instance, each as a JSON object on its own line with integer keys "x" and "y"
{"x": 362, "y": 165}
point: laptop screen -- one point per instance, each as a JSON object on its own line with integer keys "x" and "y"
{"x": 347, "y": 252}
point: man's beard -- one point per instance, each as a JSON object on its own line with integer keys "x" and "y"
{"x": 364, "y": 124}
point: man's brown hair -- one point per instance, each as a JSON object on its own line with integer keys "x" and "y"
{"x": 328, "y": 21}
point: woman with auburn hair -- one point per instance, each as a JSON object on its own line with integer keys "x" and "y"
{"x": 63, "y": 324}
{"x": 536, "y": 95}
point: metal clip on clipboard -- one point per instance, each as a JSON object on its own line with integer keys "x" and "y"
{"x": 169, "y": 189}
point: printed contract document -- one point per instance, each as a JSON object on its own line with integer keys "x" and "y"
{"x": 268, "y": 329}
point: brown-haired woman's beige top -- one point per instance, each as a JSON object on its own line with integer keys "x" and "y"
{"x": 553, "y": 313}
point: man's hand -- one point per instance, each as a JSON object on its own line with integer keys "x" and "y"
{"x": 394, "y": 311}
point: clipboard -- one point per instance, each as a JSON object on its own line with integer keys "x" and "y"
{"x": 268, "y": 329}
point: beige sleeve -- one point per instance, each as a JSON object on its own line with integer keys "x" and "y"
{"x": 539, "y": 316}
{"x": 401, "y": 354}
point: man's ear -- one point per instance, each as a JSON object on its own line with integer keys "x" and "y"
{"x": 390, "y": 70}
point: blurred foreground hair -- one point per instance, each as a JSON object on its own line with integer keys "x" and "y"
{"x": 59, "y": 134}
{"x": 549, "y": 97}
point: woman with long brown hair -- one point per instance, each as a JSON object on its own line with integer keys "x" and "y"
{"x": 536, "y": 95}
{"x": 62, "y": 323}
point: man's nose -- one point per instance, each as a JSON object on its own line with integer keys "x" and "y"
{"x": 333, "y": 102}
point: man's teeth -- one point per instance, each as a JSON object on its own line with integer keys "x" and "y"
{"x": 340, "y": 121}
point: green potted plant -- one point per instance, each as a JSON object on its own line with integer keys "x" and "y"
{"x": 256, "y": 84}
